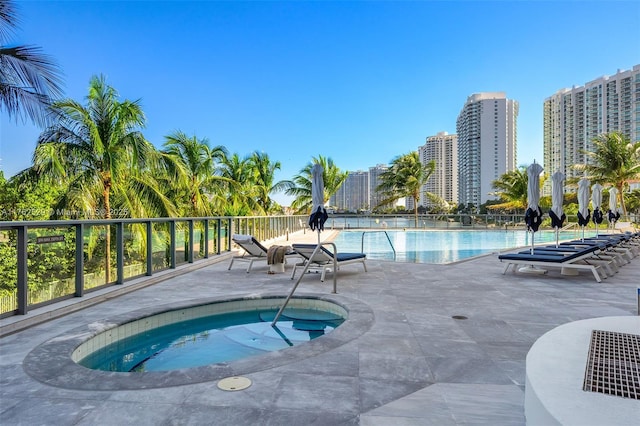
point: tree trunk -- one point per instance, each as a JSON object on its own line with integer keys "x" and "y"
{"x": 620, "y": 187}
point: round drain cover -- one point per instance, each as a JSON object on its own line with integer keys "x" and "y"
{"x": 234, "y": 383}
{"x": 459, "y": 317}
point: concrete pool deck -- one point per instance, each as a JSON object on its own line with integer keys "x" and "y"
{"x": 415, "y": 365}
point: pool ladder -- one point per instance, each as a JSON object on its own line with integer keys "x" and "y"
{"x": 304, "y": 270}
{"x": 388, "y": 239}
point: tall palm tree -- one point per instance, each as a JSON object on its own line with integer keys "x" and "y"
{"x": 264, "y": 180}
{"x": 28, "y": 78}
{"x": 511, "y": 188}
{"x": 191, "y": 163}
{"x": 100, "y": 153}
{"x": 615, "y": 160}
{"x": 405, "y": 178}
{"x": 301, "y": 189}
{"x": 239, "y": 198}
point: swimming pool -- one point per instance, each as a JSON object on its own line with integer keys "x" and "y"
{"x": 439, "y": 246}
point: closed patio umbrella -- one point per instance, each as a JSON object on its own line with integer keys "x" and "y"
{"x": 533, "y": 215}
{"x": 318, "y": 212}
{"x": 557, "y": 198}
{"x": 584, "y": 214}
{"x": 614, "y": 211}
{"x": 596, "y": 201}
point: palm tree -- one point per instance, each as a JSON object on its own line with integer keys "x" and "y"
{"x": 301, "y": 189}
{"x": 28, "y": 78}
{"x": 512, "y": 190}
{"x": 239, "y": 196}
{"x": 405, "y": 178}
{"x": 615, "y": 160}
{"x": 633, "y": 201}
{"x": 191, "y": 166}
{"x": 100, "y": 153}
{"x": 263, "y": 180}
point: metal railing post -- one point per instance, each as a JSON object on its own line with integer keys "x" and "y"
{"x": 120, "y": 252}
{"x": 21, "y": 283}
{"x": 190, "y": 246}
{"x": 79, "y": 260}
{"x": 206, "y": 238}
{"x": 218, "y": 236}
{"x": 172, "y": 244}
{"x": 149, "y": 249}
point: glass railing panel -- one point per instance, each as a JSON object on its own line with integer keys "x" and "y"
{"x": 182, "y": 242}
{"x": 225, "y": 235}
{"x": 135, "y": 249}
{"x": 50, "y": 264}
{"x": 160, "y": 246}
{"x": 100, "y": 254}
{"x": 8, "y": 271}
{"x": 198, "y": 240}
{"x": 212, "y": 238}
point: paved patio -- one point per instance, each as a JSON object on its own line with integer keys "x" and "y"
{"x": 413, "y": 364}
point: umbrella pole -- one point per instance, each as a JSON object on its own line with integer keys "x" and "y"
{"x": 532, "y": 235}
{"x": 557, "y": 237}
{"x": 596, "y": 229}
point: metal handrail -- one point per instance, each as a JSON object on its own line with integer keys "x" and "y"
{"x": 568, "y": 226}
{"x": 388, "y": 239}
{"x": 306, "y": 268}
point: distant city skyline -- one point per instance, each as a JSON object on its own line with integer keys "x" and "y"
{"x": 359, "y": 82}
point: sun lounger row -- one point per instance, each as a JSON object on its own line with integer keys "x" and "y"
{"x": 601, "y": 255}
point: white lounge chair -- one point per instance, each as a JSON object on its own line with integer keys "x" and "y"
{"x": 323, "y": 260}
{"x": 578, "y": 260}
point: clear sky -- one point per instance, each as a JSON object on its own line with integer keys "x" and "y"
{"x": 360, "y": 82}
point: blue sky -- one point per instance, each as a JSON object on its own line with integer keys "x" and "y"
{"x": 359, "y": 82}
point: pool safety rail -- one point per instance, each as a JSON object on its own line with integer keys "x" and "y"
{"x": 304, "y": 271}
{"x": 54, "y": 260}
{"x": 388, "y": 239}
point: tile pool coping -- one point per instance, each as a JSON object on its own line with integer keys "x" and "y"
{"x": 52, "y": 361}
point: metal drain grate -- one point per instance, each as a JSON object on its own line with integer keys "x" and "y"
{"x": 613, "y": 366}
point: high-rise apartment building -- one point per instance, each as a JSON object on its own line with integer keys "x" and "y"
{"x": 574, "y": 117}
{"x": 443, "y": 149}
{"x": 353, "y": 194}
{"x": 487, "y": 140}
{"x": 374, "y": 181}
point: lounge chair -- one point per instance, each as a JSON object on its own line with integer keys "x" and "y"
{"x": 598, "y": 257}
{"x": 564, "y": 260}
{"x": 323, "y": 260}
{"x": 252, "y": 250}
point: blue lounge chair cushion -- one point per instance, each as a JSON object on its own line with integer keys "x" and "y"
{"x": 542, "y": 257}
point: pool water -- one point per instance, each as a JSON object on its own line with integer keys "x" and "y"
{"x": 440, "y": 246}
{"x": 212, "y": 339}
